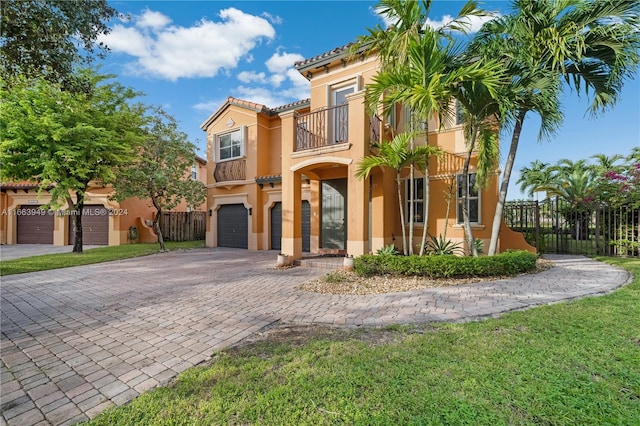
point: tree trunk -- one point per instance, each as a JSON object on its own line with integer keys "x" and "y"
{"x": 466, "y": 223}
{"x": 156, "y": 223}
{"x": 504, "y": 185}
{"x": 426, "y": 202}
{"x": 76, "y": 220}
{"x": 404, "y": 232}
{"x": 412, "y": 197}
{"x": 157, "y": 230}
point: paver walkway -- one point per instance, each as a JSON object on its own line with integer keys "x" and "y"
{"x": 78, "y": 340}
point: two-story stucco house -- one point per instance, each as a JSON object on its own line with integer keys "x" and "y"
{"x": 284, "y": 178}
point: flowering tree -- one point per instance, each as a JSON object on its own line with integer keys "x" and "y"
{"x": 620, "y": 185}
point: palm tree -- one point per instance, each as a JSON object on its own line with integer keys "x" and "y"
{"x": 479, "y": 112}
{"x": 534, "y": 178}
{"x": 397, "y": 155}
{"x": 572, "y": 182}
{"x": 607, "y": 163}
{"x": 421, "y": 68}
{"x": 590, "y": 45}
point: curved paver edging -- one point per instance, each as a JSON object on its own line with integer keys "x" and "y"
{"x": 78, "y": 340}
{"x": 572, "y": 277}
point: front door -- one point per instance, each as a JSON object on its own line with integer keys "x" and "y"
{"x": 340, "y": 116}
{"x": 334, "y": 214}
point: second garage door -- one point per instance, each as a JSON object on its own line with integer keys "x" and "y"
{"x": 276, "y": 226}
{"x": 95, "y": 226}
{"x": 232, "y": 226}
{"x": 35, "y": 226}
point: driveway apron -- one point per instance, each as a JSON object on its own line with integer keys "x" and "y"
{"x": 76, "y": 341}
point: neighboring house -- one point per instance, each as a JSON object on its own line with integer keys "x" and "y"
{"x": 104, "y": 222}
{"x": 283, "y": 178}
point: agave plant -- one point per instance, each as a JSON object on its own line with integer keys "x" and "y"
{"x": 389, "y": 250}
{"x": 441, "y": 246}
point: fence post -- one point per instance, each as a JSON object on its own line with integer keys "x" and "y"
{"x": 537, "y": 218}
{"x": 598, "y": 212}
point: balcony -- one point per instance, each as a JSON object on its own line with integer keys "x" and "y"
{"x": 324, "y": 127}
{"x": 230, "y": 171}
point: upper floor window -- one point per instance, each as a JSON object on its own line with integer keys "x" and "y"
{"x": 194, "y": 172}
{"x": 418, "y": 200}
{"x": 231, "y": 145}
{"x": 471, "y": 198}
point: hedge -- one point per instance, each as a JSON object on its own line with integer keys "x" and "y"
{"x": 447, "y": 266}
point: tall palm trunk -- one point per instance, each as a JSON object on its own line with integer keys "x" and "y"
{"x": 466, "y": 222}
{"x": 404, "y": 233}
{"x": 504, "y": 185}
{"x": 426, "y": 202}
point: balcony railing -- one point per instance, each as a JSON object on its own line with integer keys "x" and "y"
{"x": 327, "y": 126}
{"x": 375, "y": 126}
{"x": 230, "y": 170}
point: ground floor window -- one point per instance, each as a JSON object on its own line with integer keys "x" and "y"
{"x": 471, "y": 198}
{"x": 418, "y": 200}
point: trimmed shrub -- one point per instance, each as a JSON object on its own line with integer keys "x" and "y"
{"x": 508, "y": 263}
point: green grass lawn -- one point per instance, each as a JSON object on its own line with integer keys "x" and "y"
{"x": 563, "y": 364}
{"x": 95, "y": 255}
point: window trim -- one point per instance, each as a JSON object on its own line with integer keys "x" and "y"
{"x": 243, "y": 132}
{"x": 477, "y": 197}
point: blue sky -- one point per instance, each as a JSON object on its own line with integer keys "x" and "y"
{"x": 189, "y": 56}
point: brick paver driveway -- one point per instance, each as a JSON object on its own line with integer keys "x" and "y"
{"x": 78, "y": 340}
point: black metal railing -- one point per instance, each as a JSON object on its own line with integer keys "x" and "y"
{"x": 324, "y": 127}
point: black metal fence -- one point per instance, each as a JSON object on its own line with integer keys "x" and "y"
{"x": 556, "y": 226}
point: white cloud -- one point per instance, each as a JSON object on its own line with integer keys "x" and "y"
{"x": 153, "y": 20}
{"x": 127, "y": 40}
{"x": 273, "y": 19}
{"x": 201, "y": 50}
{"x": 471, "y": 23}
{"x": 277, "y": 79}
{"x": 260, "y": 95}
{"x": 251, "y": 76}
{"x": 279, "y": 62}
{"x": 208, "y": 106}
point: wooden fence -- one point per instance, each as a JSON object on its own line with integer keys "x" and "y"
{"x": 183, "y": 226}
{"x": 555, "y": 226}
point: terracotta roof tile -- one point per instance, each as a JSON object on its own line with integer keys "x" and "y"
{"x": 334, "y": 52}
{"x": 18, "y": 185}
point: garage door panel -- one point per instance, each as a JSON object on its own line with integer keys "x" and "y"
{"x": 95, "y": 226}
{"x": 233, "y": 229}
{"x": 306, "y": 226}
{"x": 276, "y": 226}
{"x": 35, "y": 226}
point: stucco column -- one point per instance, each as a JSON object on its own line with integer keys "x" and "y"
{"x": 358, "y": 190}
{"x": 291, "y": 192}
